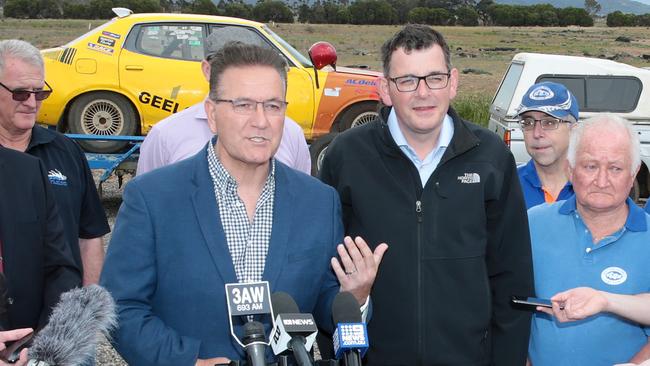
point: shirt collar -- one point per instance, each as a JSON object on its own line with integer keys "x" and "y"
{"x": 530, "y": 174}
{"x": 200, "y": 112}
{"x": 40, "y": 136}
{"x": 636, "y": 217}
{"x": 223, "y": 181}
{"x": 444, "y": 139}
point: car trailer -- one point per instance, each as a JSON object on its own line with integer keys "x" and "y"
{"x": 119, "y": 163}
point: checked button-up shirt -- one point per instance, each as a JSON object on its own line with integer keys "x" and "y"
{"x": 248, "y": 241}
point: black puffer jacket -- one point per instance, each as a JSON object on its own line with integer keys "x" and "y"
{"x": 459, "y": 248}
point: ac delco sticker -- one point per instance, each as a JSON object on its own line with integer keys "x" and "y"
{"x": 106, "y": 41}
{"x": 100, "y": 48}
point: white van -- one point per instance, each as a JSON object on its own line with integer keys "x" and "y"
{"x": 599, "y": 85}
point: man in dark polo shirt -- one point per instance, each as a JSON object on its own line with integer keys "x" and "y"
{"x": 22, "y": 89}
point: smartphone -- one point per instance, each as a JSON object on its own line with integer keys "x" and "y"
{"x": 532, "y": 301}
{"x": 11, "y": 354}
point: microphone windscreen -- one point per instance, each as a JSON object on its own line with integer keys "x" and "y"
{"x": 283, "y": 303}
{"x": 75, "y": 327}
{"x": 345, "y": 308}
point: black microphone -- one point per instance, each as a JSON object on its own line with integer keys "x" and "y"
{"x": 74, "y": 328}
{"x": 255, "y": 343}
{"x": 351, "y": 336}
{"x": 293, "y": 331}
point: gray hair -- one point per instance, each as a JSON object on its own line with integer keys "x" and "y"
{"x": 610, "y": 122}
{"x": 237, "y": 54}
{"x": 24, "y": 51}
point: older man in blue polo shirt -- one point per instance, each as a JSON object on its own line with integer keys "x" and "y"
{"x": 597, "y": 238}
{"x": 546, "y": 114}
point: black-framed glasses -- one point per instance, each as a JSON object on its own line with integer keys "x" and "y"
{"x": 247, "y": 106}
{"x": 546, "y": 123}
{"x": 409, "y": 83}
{"x": 21, "y": 95}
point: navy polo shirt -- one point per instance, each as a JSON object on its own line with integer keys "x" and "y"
{"x": 74, "y": 189}
{"x": 532, "y": 186}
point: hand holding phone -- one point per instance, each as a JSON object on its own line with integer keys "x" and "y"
{"x": 532, "y": 301}
{"x": 11, "y": 353}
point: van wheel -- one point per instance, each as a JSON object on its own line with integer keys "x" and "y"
{"x": 102, "y": 113}
{"x": 317, "y": 152}
{"x": 358, "y": 115}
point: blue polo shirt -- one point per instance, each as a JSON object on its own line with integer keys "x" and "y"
{"x": 565, "y": 257}
{"x": 532, "y": 186}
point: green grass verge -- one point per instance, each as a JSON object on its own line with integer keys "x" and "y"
{"x": 473, "y": 107}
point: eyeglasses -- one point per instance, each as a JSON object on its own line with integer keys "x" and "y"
{"x": 546, "y": 123}
{"x": 410, "y": 83}
{"x": 248, "y": 106}
{"x": 21, "y": 95}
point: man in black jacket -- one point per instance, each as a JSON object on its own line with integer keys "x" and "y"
{"x": 36, "y": 261}
{"x": 445, "y": 193}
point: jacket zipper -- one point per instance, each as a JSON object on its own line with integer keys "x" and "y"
{"x": 419, "y": 322}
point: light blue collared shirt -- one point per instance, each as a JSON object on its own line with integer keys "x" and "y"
{"x": 430, "y": 163}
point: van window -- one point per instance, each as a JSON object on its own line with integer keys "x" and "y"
{"x": 601, "y": 93}
{"x": 507, "y": 89}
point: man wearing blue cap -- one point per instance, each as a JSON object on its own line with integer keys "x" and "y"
{"x": 546, "y": 115}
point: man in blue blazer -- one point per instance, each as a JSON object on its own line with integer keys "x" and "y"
{"x": 229, "y": 214}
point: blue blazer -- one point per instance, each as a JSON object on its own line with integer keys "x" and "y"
{"x": 168, "y": 261}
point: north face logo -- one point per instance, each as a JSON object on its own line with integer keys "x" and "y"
{"x": 470, "y": 178}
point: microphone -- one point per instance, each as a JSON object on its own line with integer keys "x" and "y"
{"x": 74, "y": 328}
{"x": 293, "y": 331}
{"x": 245, "y": 301}
{"x": 255, "y": 343}
{"x": 351, "y": 336}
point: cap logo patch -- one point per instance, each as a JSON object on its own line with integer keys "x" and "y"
{"x": 541, "y": 93}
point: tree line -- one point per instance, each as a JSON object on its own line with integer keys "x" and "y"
{"x": 434, "y": 12}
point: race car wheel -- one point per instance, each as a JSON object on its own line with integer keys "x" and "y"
{"x": 358, "y": 115}
{"x": 102, "y": 113}
{"x": 317, "y": 151}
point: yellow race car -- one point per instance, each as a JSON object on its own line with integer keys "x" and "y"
{"x": 131, "y": 72}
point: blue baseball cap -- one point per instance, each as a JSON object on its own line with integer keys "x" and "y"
{"x": 551, "y": 98}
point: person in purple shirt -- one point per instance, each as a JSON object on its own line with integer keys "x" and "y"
{"x": 547, "y": 113}
{"x": 183, "y": 134}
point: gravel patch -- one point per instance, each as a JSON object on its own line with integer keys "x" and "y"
{"x": 111, "y": 200}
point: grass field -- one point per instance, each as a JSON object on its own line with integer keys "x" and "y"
{"x": 359, "y": 45}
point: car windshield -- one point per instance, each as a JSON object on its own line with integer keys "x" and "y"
{"x": 297, "y": 55}
{"x": 92, "y": 31}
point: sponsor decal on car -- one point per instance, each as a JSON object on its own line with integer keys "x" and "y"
{"x": 332, "y": 92}
{"x": 106, "y": 41}
{"x": 158, "y": 102}
{"x": 111, "y": 34}
{"x": 68, "y": 55}
{"x": 361, "y": 82}
{"x": 100, "y": 48}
